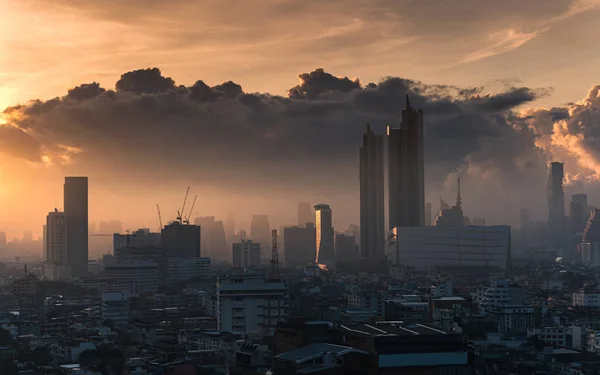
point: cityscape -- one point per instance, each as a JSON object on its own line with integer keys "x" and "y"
{"x": 149, "y": 227}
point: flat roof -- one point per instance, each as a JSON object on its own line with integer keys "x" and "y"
{"x": 393, "y": 328}
{"x": 314, "y": 350}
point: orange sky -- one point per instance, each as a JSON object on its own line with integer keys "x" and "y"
{"x": 47, "y": 47}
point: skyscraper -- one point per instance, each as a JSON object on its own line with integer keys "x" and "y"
{"x": 406, "y": 171}
{"x": 260, "y": 232}
{"x": 76, "y": 213}
{"x": 579, "y": 213}
{"x": 372, "y": 214}
{"x": 245, "y": 254}
{"x": 181, "y": 240}
{"x": 556, "y": 206}
{"x": 324, "y": 228}
{"x": 305, "y": 214}
{"x": 299, "y": 243}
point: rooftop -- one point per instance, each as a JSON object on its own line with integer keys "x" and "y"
{"x": 393, "y": 328}
{"x": 311, "y": 351}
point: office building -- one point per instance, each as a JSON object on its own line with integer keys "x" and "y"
{"x": 260, "y": 232}
{"x": 181, "y": 240}
{"x": 246, "y": 254}
{"x": 205, "y": 223}
{"x": 557, "y": 224}
{"x": 76, "y": 213}
{"x": 214, "y": 239}
{"x": 406, "y": 171}
{"x": 452, "y": 247}
{"x": 324, "y": 235}
{"x": 115, "y": 308}
{"x": 305, "y": 214}
{"x": 140, "y": 238}
{"x": 300, "y": 245}
{"x": 372, "y": 211}
{"x": 250, "y": 304}
{"x": 44, "y": 244}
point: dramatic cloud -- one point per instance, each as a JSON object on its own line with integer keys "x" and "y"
{"x": 151, "y": 127}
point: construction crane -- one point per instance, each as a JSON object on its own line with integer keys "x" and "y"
{"x": 159, "y": 218}
{"x": 187, "y": 219}
{"x": 180, "y": 213}
{"x": 274, "y": 255}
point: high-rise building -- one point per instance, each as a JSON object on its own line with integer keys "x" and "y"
{"x": 324, "y": 235}
{"x": 372, "y": 211}
{"x": 245, "y": 254}
{"x": 181, "y": 240}
{"x": 406, "y": 171}
{"x": 428, "y": 213}
{"x": 305, "y": 214}
{"x": 451, "y": 216}
{"x": 206, "y": 223}
{"x": 76, "y": 213}
{"x": 56, "y": 238}
{"x": 299, "y": 243}
{"x": 580, "y": 213}
{"x": 556, "y": 206}
{"x": 260, "y": 232}
{"x": 44, "y": 243}
{"x": 230, "y": 224}
{"x": 218, "y": 242}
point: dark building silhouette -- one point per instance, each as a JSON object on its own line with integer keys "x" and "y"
{"x": 406, "y": 172}
{"x": 372, "y": 206}
{"x": 557, "y": 225}
{"x": 181, "y": 240}
{"x": 305, "y": 214}
{"x": 579, "y": 213}
{"x": 345, "y": 248}
{"x": 218, "y": 242}
{"x": 428, "y": 222}
{"x": 451, "y": 216}
{"x": 76, "y": 214}
{"x": 299, "y": 243}
{"x": 260, "y": 232}
{"x": 324, "y": 239}
{"x": 591, "y": 232}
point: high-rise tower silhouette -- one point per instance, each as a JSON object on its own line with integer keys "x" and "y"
{"x": 324, "y": 228}
{"x": 76, "y": 213}
{"x": 372, "y": 206}
{"x": 406, "y": 171}
{"x": 556, "y": 206}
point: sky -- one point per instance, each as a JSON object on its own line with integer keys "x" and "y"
{"x": 506, "y": 87}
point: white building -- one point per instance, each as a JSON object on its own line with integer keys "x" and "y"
{"x": 500, "y": 293}
{"x": 115, "y": 307}
{"x": 250, "y": 304}
{"x": 181, "y": 269}
{"x": 514, "y": 318}
{"x": 246, "y": 254}
{"x": 140, "y": 238}
{"x": 586, "y": 298}
{"x": 464, "y": 247}
{"x": 145, "y": 274}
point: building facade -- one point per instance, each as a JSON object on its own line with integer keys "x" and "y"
{"x": 181, "y": 240}
{"x": 299, "y": 243}
{"x": 260, "y": 233}
{"x": 557, "y": 224}
{"x": 250, "y": 304}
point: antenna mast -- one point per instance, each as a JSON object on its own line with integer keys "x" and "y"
{"x": 274, "y": 255}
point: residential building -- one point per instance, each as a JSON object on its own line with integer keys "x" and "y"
{"x": 76, "y": 214}
{"x": 501, "y": 292}
{"x": 145, "y": 274}
{"x": 586, "y": 298}
{"x": 249, "y": 304}
{"x": 57, "y": 265}
{"x": 182, "y": 269}
{"x": 513, "y": 318}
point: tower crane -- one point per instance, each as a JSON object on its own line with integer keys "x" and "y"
{"x": 187, "y": 219}
{"x": 180, "y": 213}
{"x": 159, "y": 218}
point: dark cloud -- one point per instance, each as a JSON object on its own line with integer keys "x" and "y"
{"x": 144, "y": 81}
{"x": 308, "y": 140}
{"x": 16, "y": 142}
{"x": 319, "y": 82}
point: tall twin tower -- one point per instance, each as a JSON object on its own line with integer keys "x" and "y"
{"x": 406, "y": 182}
